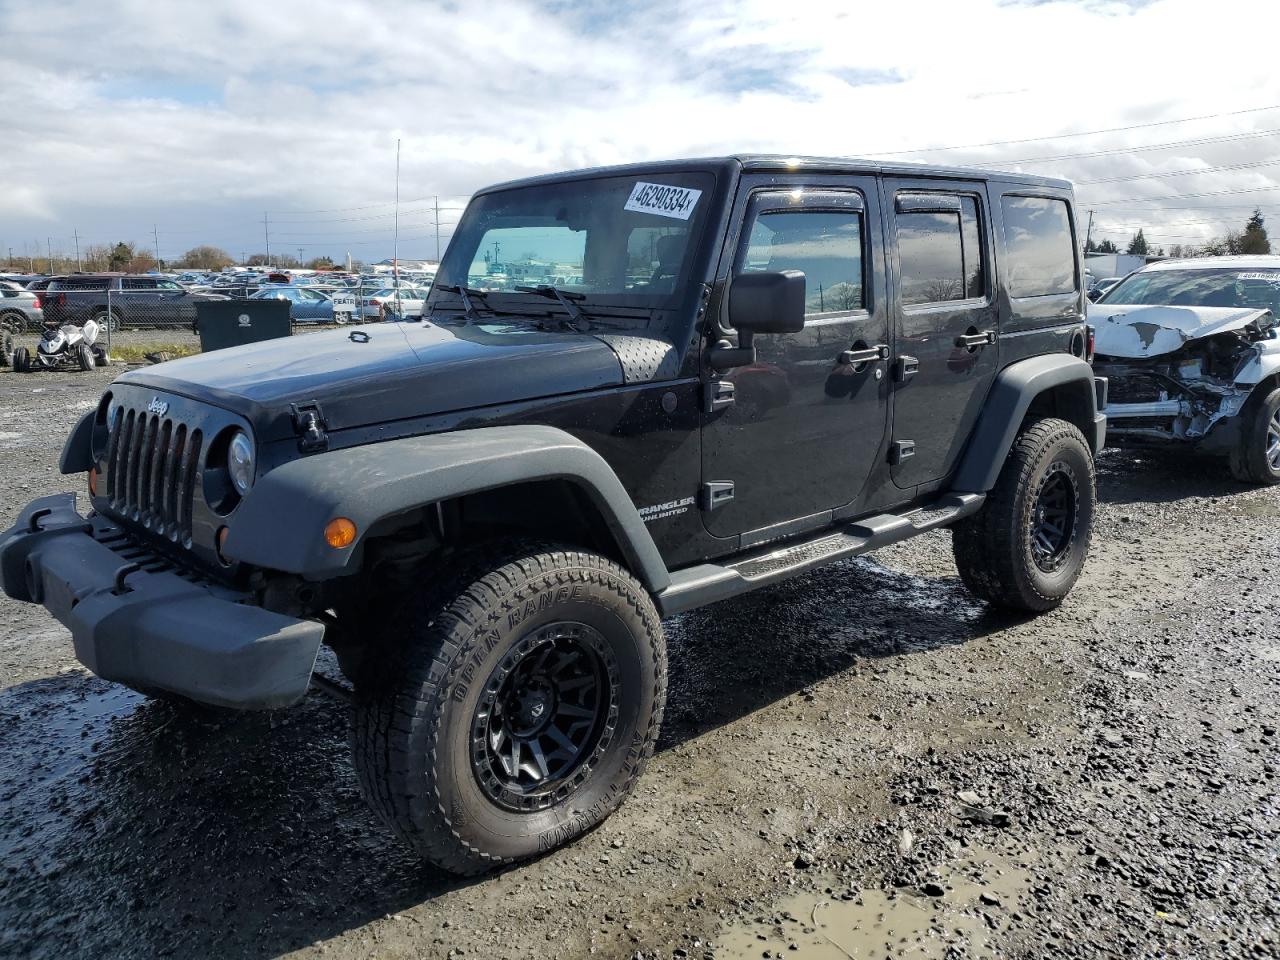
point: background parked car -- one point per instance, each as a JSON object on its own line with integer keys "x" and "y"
{"x": 1099, "y": 289}
{"x": 307, "y": 305}
{"x": 408, "y": 303}
{"x": 20, "y": 309}
{"x": 122, "y": 300}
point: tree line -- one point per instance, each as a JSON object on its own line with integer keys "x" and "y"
{"x": 126, "y": 257}
{"x": 1251, "y": 240}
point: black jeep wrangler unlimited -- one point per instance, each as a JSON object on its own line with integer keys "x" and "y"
{"x": 637, "y": 390}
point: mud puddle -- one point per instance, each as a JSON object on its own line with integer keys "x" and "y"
{"x": 962, "y": 907}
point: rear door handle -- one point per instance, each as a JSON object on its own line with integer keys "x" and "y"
{"x": 971, "y": 340}
{"x": 866, "y": 355}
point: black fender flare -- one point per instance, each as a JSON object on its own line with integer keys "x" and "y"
{"x": 77, "y": 454}
{"x": 1016, "y": 387}
{"x": 279, "y": 525}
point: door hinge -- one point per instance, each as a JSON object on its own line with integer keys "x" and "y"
{"x": 718, "y": 396}
{"x": 310, "y": 426}
{"x": 902, "y": 450}
{"x": 715, "y": 493}
{"x": 904, "y": 368}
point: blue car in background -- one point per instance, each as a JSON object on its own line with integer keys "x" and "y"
{"x": 309, "y": 306}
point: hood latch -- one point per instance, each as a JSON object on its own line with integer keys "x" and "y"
{"x": 310, "y": 426}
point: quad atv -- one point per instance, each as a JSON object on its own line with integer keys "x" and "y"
{"x": 66, "y": 346}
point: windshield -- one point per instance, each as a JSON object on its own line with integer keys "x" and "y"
{"x": 1211, "y": 287}
{"x": 626, "y": 240}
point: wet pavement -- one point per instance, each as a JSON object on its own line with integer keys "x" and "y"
{"x": 864, "y": 762}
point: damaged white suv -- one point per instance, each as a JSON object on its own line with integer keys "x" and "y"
{"x": 1192, "y": 353}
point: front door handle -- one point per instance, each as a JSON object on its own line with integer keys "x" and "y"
{"x": 971, "y": 341}
{"x": 865, "y": 355}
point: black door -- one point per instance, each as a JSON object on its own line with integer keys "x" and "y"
{"x": 945, "y": 316}
{"x": 808, "y": 416}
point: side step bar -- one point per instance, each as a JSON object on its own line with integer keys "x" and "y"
{"x": 708, "y": 582}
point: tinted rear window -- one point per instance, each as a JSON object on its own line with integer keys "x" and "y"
{"x": 1042, "y": 257}
{"x": 80, "y": 283}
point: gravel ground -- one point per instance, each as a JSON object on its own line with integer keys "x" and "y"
{"x": 864, "y": 762}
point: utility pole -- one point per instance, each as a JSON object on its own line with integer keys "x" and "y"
{"x": 266, "y": 233}
{"x": 76, "y": 234}
{"x": 11, "y": 258}
{"x": 299, "y": 256}
{"x": 155, "y": 235}
{"x": 1088, "y": 232}
{"x": 49, "y": 252}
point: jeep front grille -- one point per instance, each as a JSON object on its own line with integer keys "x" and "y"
{"x": 152, "y": 463}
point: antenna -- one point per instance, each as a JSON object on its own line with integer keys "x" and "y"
{"x": 395, "y": 245}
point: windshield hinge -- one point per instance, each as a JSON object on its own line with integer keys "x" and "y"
{"x": 310, "y": 426}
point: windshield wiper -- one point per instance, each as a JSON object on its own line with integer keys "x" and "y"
{"x": 465, "y": 293}
{"x": 577, "y": 320}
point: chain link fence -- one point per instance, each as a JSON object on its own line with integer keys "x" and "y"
{"x": 151, "y": 320}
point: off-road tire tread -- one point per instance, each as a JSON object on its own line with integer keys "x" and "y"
{"x": 443, "y": 626}
{"x": 982, "y": 543}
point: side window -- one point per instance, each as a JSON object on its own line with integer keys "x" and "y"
{"x": 167, "y": 285}
{"x": 1042, "y": 257}
{"x": 825, "y": 244}
{"x": 940, "y": 254}
{"x": 135, "y": 284}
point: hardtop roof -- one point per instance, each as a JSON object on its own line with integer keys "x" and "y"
{"x": 794, "y": 164}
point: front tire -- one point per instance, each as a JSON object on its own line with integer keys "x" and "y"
{"x": 21, "y": 360}
{"x": 1256, "y": 457}
{"x": 1026, "y": 547}
{"x": 85, "y": 358}
{"x": 514, "y": 710}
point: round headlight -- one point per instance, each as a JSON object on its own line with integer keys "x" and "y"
{"x": 240, "y": 462}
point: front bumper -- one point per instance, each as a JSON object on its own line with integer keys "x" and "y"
{"x": 135, "y": 620}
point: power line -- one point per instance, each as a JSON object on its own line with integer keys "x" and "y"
{"x": 1068, "y": 136}
{"x": 1226, "y": 138}
{"x": 1181, "y": 173}
{"x": 374, "y": 206}
{"x": 1186, "y": 196}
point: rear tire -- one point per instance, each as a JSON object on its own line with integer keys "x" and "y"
{"x": 21, "y": 360}
{"x": 1256, "y": 456}
{"x": 514, "y": 709}
{"x": 85, "y": 358}
{"x": 1026, "y": 547}
{"x": 107, "y": 321}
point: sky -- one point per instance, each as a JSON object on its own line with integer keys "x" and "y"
{"x": 181, "y": 123}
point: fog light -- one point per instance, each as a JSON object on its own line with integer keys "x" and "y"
{"x": 93, "y": 481}
{"x": 340, "y": 532}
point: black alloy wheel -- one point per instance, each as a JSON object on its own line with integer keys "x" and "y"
{"x": 1053, "y": 519}
{"x": 548, "y": 713}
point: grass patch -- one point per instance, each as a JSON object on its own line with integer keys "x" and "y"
{"x": 137, "y": 353}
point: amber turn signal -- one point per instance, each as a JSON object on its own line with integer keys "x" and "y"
{"x": 93, "y": 481}
{"x": 340, "y": 532}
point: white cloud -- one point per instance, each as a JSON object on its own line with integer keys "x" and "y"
{"x": 197, "y": 118}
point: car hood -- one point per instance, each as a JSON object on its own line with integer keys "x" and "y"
{"x": 1122, "y": 330}
{"x": 403, "y": 370}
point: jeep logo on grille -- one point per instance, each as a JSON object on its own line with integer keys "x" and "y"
{"x": 158, "y": 407}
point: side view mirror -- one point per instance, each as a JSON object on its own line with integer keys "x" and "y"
{"x": 767, "y": 302}
{"x": 770, "y": 302}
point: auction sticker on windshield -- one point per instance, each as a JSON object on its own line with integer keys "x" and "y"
{"x": 665, "y": 201}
